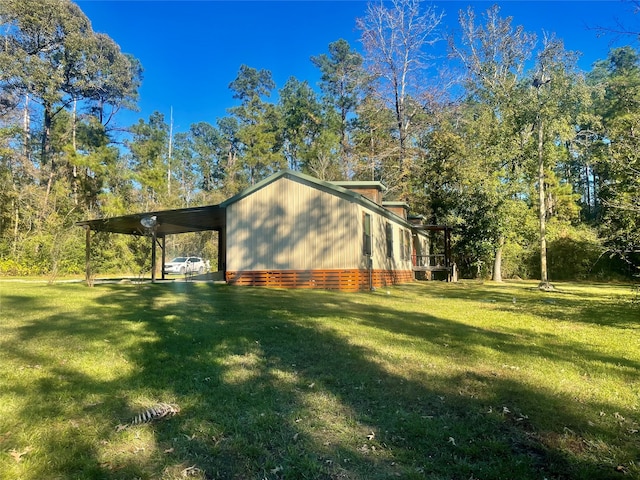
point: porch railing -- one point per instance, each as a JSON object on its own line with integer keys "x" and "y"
{"x": 438, "y": 261}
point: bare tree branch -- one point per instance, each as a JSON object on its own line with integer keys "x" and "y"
{"x": 621, "y": 27}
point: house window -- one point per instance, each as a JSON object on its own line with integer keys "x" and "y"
{"x": 389, "y": 232}
{"x": 366, "y": 228}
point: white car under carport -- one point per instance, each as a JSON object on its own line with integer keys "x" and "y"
{"x": 185, "y": 265}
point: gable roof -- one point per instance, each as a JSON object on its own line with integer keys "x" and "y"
{"x": 334, "y": 188}
{"x": 213, "y": 217}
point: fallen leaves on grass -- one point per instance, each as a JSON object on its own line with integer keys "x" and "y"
{"x": 17, "y": 455}
{"x": 191, "y": 471}
{"x": 159, "y": 411}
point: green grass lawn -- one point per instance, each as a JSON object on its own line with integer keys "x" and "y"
{"x": 425, "y": 380}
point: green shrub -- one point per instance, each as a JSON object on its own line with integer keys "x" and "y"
{"x": 10, "y": 268}
{"x": 517, "y": 261}
{"x": 573, "y": 253}
{"x": 577, "y": 253}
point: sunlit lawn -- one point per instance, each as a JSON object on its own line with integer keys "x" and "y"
{"x": 426, "y": 380}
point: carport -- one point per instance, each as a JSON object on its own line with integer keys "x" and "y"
{"x": 157, "y": 225}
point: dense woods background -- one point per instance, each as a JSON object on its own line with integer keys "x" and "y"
{"x": 535, "y": 163}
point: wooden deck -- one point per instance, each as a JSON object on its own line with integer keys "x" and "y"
{"x": 431, "y": 268}
{"x": 435, "y": 263}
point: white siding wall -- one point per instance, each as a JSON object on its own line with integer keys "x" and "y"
{"x": 421, "y": 241}
{"x": 381, "y": 261}
{"x": 288, "y": 225}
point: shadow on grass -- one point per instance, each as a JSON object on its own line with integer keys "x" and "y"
{"x": 559, "y": 347}
{"x": 564, "y": 303}
{"x": 269, "y": 389}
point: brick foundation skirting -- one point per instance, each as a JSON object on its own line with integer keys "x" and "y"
{"x": 348, "y": 280}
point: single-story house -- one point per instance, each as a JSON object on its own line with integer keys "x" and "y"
{"x": 293, "y": 230}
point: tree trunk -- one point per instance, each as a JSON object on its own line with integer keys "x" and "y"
{"x": 26, "y": 129}
{"x": 170, "y": 153}
{"x": 542, "y": 211}
{"x": 45, "y": 155}
{"x": 346, "y": 166}
{"x": 594, "y": 192}
{"x": 74, "y": 127}
{"x": 46, "y": 133}
{"x": 587, "y": 190}
{"x": 45, "y": 204}
{"x": 497, "y": 261}
{"x": 16, "y": 223}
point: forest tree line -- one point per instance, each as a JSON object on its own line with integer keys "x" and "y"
{"x": 532, "y": 161}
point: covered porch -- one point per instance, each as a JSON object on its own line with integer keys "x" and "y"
{"x": 425, "y": 262}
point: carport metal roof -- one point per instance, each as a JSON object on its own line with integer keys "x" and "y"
{"x": 168, "y": 222}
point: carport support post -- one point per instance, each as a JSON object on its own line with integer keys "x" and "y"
{"x": 153, "y": 255}
{"x": 87, "y": 255}
{"x": 222, "y": 252}
{"x": 447, "y": 254}
{"x": 164, "y": 257}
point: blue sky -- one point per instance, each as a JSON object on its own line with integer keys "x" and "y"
{"x": 192, "y": 50}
